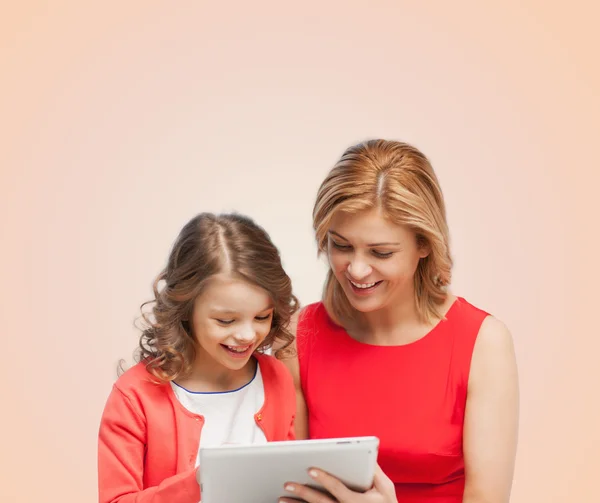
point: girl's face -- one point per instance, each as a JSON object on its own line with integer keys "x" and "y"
{"x": 231, "y": 318}
{"x": 373, "y": 259}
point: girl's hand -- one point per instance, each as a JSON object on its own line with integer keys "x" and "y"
{"x": 383, "y": 490}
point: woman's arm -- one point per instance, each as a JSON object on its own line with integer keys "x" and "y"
{"x": 290, "y": 360}
{"x": 491, "y": 417}
{"x": 121, "y": 446}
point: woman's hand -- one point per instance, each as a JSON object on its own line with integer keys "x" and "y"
{"x": 382, "y": 491}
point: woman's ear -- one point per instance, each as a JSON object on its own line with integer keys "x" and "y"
{"x": 424, "y": 248}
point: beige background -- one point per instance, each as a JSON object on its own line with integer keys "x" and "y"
{"x": 121, "y": 120}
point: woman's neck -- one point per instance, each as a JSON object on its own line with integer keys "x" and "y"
{"x": 395, "y": 324}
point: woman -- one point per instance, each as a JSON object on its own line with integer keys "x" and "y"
{"x": 391, "y": 352}
{"x": 203, "y": 380}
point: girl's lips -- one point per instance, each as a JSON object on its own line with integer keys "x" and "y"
{"x": 238, "y": 354}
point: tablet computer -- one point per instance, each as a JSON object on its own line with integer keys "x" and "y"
{"x": 257, "y": 473}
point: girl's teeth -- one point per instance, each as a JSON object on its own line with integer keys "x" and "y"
{"x": 237, "y": 349}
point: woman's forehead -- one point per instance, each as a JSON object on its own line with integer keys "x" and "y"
{"x": 367, "y": 227}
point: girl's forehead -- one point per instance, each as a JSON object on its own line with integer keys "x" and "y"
{"x": 225, "y": 292}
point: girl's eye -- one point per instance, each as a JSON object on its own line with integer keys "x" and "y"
{"x": 263, "y": 318}
{"x": 382, "y": 254}
{"x": 340, "y": 246}
{"x": 225, "y": 322}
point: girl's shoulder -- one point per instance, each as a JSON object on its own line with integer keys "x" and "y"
{"x": 271, "y": 368}
{"x": 137, "y": 379}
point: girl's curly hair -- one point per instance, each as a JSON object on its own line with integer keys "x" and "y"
{"x": 207, "y": 245}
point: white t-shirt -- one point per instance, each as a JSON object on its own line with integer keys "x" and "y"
{"x": 229, "y": 415}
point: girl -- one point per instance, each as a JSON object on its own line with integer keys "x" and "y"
{"x": 203, "y": 379}
{"x": 391, "y": 352}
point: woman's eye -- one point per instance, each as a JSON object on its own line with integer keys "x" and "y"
{"x": 225, "y": 322}
{"x": 263, "y": 318}
{"x": 340, "y": 246}
{"x": 382, "y": 254}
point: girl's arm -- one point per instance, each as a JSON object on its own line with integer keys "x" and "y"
{"x": 121, "y": 448}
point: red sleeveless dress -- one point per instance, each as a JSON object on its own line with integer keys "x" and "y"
{"x": 412, "y": 397}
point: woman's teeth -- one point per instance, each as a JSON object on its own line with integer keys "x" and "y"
{"x": 363, "y": 285}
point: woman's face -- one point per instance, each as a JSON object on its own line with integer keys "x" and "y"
{"x": 373, "y": 259}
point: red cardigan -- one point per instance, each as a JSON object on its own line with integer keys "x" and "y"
{"x": 148, "y": 441}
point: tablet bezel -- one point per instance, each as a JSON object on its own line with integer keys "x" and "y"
{"x": 262, "y": 470}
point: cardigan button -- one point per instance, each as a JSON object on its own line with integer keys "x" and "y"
{"x": 259, "y": 417}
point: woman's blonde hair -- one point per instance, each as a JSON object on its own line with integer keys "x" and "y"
{"x": 398, "y": 179}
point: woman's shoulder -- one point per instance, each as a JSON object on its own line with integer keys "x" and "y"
{"x": 312, "y": 309}
{"x": 489, "y": 331}
{"x": 466, "y": 314}
{"x": 468, "y": 308}
{"x": 313, "y": 314}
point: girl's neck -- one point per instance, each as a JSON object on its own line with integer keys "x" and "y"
{"x": 210, "y": 376}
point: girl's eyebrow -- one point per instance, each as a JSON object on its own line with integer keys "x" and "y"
{"x": 231, "y": 311}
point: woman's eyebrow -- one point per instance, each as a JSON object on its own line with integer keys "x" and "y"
{"x": 370, "y": 244}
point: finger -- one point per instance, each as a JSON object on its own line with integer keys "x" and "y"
{"x": 300, "y": 492}
{"x": 381, "y": 482}
{"x": 336, "y": 487}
